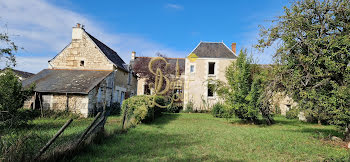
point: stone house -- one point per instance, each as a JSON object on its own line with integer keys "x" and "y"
{"x": 83, "y": 78}
{"x": 211, "y": 62}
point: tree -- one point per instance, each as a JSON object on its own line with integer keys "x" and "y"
{"x": 313, "y": 56}
{"x": 12, "y": 97}
{"x": 7, "y": 49}
{"x": 236, "y": 92}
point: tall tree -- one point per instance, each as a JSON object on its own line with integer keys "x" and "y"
{"x": 313, "y": 45}
{"x": 7, "y": 49}
{"x": 239, "y": 96}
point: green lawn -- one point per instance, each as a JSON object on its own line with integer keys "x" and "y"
{"x": 200, "y": 137}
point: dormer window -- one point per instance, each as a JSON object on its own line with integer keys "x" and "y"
{"x": 82, "y": 63}
{"x": 211, "y": 70}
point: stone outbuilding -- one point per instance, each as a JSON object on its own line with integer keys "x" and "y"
{"x": 83, "y": 78}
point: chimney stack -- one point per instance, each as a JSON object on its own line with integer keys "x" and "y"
{"x": 133, "y": 55}
{"x": 233, "y": 47}
{"x": 77, "y": 32}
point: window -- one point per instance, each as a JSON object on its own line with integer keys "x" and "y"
{"x": 117, "y": 95}
{"x": 146, "y": 90}
{"x": 192, "y": 68}
{"x": 211, "y": 68}
{"x": 82, "y": 63}
{"x": 211, "y": 90}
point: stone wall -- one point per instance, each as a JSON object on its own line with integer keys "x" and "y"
{"x": 79, "y": 50}
{"x": 196, "y": 83}
{"x": 76, "y": 103}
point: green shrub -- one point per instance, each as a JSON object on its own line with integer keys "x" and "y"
{"x": 12, "y": 97}
{"x": 292, "y": 113}
{"x": 218, "y": 110}
{"x": 175, "y": 108}
{"x": 136, "y": 109}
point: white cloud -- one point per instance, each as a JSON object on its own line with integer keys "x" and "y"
{"x": 174, "y": 6}
{"x": 41, "y": 27}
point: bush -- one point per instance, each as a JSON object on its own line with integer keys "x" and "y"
{"x": 175, "y": 108}
{"x": 136, "y": 109}
{"x": 218, "y": 110}
{"x": 12, "y": 98}
{"x": 292, "y": 113}
{"x": 189, "y": 107}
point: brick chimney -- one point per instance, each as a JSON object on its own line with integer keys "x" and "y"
{"x": 77, "y": 32}
{"x": 133, "y": 55}
{"x": 233, "y": 47}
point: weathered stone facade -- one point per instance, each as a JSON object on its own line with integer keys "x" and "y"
{"x": 86, "y": 53}
{"x": 81, "y": 49}
{"x": 196, "y": 82}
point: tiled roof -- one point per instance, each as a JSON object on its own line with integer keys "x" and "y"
{"x": 213, "y": 50}
{"x": 21, "y": 74}
{"x": 145, "y": 60}
{"x": 65, "y": 81}
{"x": 110, "y": 54}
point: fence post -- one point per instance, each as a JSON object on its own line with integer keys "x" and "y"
{"x": 88, "y": 129}
{"x": 42, "y": 150}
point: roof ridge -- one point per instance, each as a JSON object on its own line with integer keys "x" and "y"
{"x": 153, "y": 57}
{"x": 114, "y": 53}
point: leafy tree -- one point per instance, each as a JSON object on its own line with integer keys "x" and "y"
{"x": 239, "y": 79}
{"x": 12, "y": 98}
{"x": 6, "y": 50}
{"x": 313, "y": 56}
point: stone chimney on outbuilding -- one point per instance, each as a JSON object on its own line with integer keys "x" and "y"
{"x": 133, "y": 55}
{"x": 77, "y": 32}
{"x": 233, "y": 47}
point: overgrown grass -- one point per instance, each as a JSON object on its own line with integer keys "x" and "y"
{"x": 41, "y": 130}
{"x": 201, "y": 137}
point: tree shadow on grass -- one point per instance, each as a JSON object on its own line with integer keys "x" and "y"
{"x": 166, "y": 118}
{"x": 323, "y": 133}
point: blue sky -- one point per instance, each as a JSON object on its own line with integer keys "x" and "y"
{"x": 174, "y": 28}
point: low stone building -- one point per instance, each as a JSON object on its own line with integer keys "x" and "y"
{"x": 83, "y": 78}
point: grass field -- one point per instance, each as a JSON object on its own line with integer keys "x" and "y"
{"x": 200, "y": 137}
{"x": 41, "y": 130}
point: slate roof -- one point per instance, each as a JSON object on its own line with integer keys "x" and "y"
{"x": 110, "y": 54}
{"x": 19, "y": 73}
{"x": 213, "y": 50}
{"x": 65, "y": 81}
{"x": 145, "y": 61}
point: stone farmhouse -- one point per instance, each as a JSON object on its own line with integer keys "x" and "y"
{"x": 213, "y": 58}
{"x": 83, "y": 78}
{"x": 87, "y": 75}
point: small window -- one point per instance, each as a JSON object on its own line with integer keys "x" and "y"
{"x": 211, "y": 90}
{"x": 82, "y": 63}
{"x": 192, "y": 68}
{"x": 211, "y": 68}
